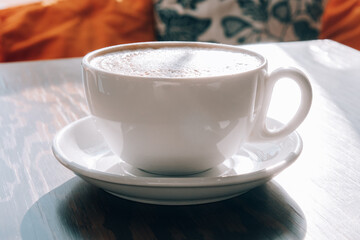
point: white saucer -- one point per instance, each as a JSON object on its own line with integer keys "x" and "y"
{"x": 82, "y": 149}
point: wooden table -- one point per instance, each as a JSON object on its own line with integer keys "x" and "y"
{"x": 318, "y": 197}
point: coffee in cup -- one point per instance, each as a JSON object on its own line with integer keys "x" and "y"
{"x": 179, "y": 108}
{"x": 176, "y": 62}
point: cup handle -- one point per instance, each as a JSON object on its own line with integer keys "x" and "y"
{"x": 260, "y": 131}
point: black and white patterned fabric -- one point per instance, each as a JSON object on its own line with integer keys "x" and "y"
{"x": 238, "y": 21}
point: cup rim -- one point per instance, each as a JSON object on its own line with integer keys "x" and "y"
{"x": 159, "y": 44}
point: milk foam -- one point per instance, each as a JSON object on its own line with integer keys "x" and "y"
{"x": 176, "y": 62}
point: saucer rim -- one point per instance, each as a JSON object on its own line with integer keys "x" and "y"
{"x": 173, "y": 181}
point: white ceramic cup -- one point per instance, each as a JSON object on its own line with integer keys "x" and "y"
{"x": 178, "y": 126}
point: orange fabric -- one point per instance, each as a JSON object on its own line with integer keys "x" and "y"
{"x": 341, "y": 22}
{"x": 71, "y": 28}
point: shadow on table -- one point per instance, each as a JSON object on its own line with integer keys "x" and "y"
{"x": 79, "y": 210}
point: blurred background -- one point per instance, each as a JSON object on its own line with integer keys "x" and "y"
{"x": 50, "y": 29}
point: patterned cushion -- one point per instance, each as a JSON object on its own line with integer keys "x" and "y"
{"x": 238, "y": 21}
